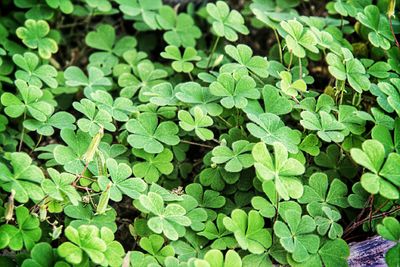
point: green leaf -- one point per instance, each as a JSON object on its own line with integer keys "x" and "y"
{"x": 42, "y": 255}
{"x": 121, "y": 183}
{"x": 147, "y": 134}
{"x": 34, "y": 35}
{"x": 249, "y": 230}
{"x": 24, "y": 178}
{"x": 215, "y": 258}
{"x": 235, "y": 159}
{"x": 181, "y": 62}
{"x": 326, "y": 125}
{"x": 291, "y": 88}
{"x": 25, "y": 233}
{"x": 280, "y": 168}
{"x": 225, "y": 22}
{"x": 198, "y": 123}
{"x": 154, "y": 245}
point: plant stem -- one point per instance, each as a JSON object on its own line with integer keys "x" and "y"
{"x": 22, "y": 134}
{"x": 290, "y": 61}
{"x": 391, "y": 29}
{"x": 279, "y": 46}
{"x": 196, "y": 144}
{"x": 300, "y": 69}
{"x": 213, "y": 51}
{"x": 190, "y": 76}
{"x": 37, "y": 143}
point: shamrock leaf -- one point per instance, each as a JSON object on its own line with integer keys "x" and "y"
{"x": 317, "y": 195}
{"x": 33, "y": 35}
{"x": 383, "y": 177}
{"x": 348, "y": 68}
{"x": 198, "y": 123}
{"x": 146, "y": 9}
{"x": 85, "y": 242}
{"x": 154, "y": 165}
{"x": 121, "y": 184}
{"x": 65, "y": 6}
{"x": 243, "y": 55}
{"x": 389, "y": 230}
{"x": 154, "y": 245}
{"x": 380, "y": 36}
{"x": 234, "y": 90}
{"x": 181, "y": 62}
{"x": 71, "y": 156}
{"x": 270, "y": 129}
{"x": 162, "y": 94}
{"x": 217, "y": 232}
{"x": 147, "y": 134}
{"x": 25, "y": 178}
{"x": 281, "y": 169}
{"x": 225, "y": 23}
{"x": 326, "y": 125}
{"x": 33, "y": 72}
{"x": 196, "y": 214}
{"x": 95, "y": 120}
{"x": 295, "y": 235}
{"x": 74, "y": 77}
{"x": 114, "y": 252}
{"x": 25, "y": 233}
{"x": 42, "y": 255}
{"x": 310, "y": 145}
{"x": 235, "y": 159}
{"x": 60, "y": 120}
{"x": 383, "y": 135}
{"x": 59, "y": 187}
{"x": 215, "y": 258}
{"x": 169, "y": 220}
{"x": 84, "y": 215}
{"x": 348, "y": 117}
{"x": 181, "y": 29}
{"x": 291, "y": 88}
{"x": 249, "y": 230}
{"x": 119, "y": 109}
{"x": 328, "y": 223}
{"x": 298, "y": 39}
{"x": 389, "y": 95}
{"x": 198, "y": 96}
{"x": 29, "y": 100}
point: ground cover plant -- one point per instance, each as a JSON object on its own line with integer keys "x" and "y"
{"x": 197, "y": 133}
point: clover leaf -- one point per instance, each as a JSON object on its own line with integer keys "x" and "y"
{"x": 291, "y": 88}
{"x": 234, "y": 90}
{"x": 181, "y": 29}
{"x": 235, "y": 159}
{"x": 34, "y": 35}
{"x": 298, "y": 38}
{"x": 71, "y": 156}
{"x": 24, "y": 178}
{"x": 25, "y": 233}
{"x": 389, "y": 96}
{"x": 169, "y": 220}
{"x": 222, "y": 238}
{"x": 198, "y": 123}
{"x": 65, "y": 6}
{"x": 121, "y": 184}
{"x": 147, "y": 134}
{"x": 181, "y": 62}
{"x": 154, "y": 165}
{"x": 215, "y": 258}
{"x": 383, "y": 177}
{"x": 96, "y": 120}
{"x": 119, "y": 108}
{"x": 249, "y": 230}
{"x": 348, "y": 68}
{"x": 270, "y": 129}
{"x": 243, "y": 55}
{"x": 198, "y": 96}
{"x": 380, "y": 36}
{"x": 60, "y": 120}
{"x": 226, "y": 22}
{"x": 296, "y": 235}
{"x": 154, "y": 245}
{"x": 33, "y": 72}
{"x": 389, "y": 230}
{"x": 84, "y": 215}
{"x": 317, "y": 195}
{"x": 29, "y": 100}
{"x": 59, "y": 186}
{"x": 326, "y": 125}
{"x": 281, "y": 169}
{"x": 84, "y": 242}
{"x": 43, "y": 254}
{"x": 146, "y": 9}
{"x": 328, "y": 223}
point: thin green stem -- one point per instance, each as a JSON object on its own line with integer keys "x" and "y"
{"x": 300, "y": 69}
{"x": 290, "y": 61}
{"x": 213, "y": 51}
{"x": 22, "y": 134}
{"x": 279, "y": 45}
{"x": 190, "y": 76}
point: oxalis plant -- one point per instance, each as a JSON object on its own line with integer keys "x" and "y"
{"x": 203, "y": 134}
